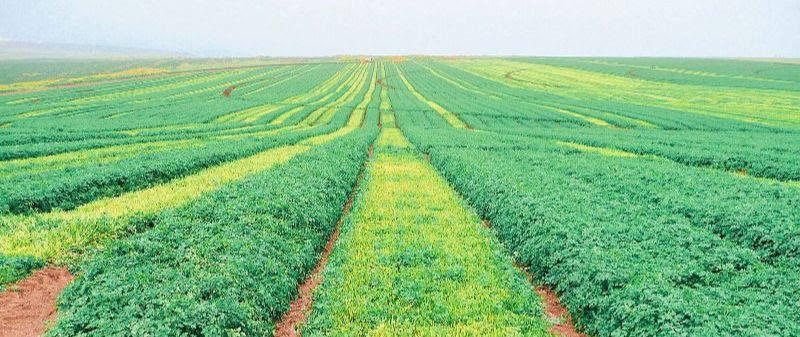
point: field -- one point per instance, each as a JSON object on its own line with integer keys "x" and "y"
{"x": 400, "y": 196}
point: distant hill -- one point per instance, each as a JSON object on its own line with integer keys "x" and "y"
{"x": 27, "y": 50}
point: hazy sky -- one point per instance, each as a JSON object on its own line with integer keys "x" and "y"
{"x": 306, "y": 28}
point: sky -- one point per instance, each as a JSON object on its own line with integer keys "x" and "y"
{"x": 707, "y": 28}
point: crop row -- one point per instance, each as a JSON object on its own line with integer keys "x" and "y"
{"x": 412, "y": 261}
{"x": 227, "y": 264}
{"x": 58, "y": 236}
{"x": 636, "y": 248}
{"x": 706, "y": 72}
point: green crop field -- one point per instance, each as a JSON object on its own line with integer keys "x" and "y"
{"x": 405, "y": 196}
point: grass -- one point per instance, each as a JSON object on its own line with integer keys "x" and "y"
{"x": 598, "y": 150}
{"x": 412, "y": 260}
{"x": 17, "y": 167}
{"x": 353, "y": 88}
{"x": 317, "y": 95}
{"x": 227, "y": 264}
{"x": 52, "y": 236}
{"x": 446, "y": 114}
{"x": 357, "y": 117}
{"x": 768, "y": 107}
{"x": 654, "y": 196}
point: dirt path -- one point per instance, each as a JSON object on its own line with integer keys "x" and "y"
{"x": 27, "y": 306}
{"x": 299, "y": 309}
{"x": 557, "y": 312}
{"x": 227, "y": 92}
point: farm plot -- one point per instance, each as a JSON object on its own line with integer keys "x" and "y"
{"x": 414, "y": 262}
{"x": 655, "y": 197}
{"x": 638, "y": 243}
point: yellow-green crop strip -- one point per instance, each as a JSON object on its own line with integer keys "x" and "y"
{"x": 385, "y": 106}
{"x": 598, "y": 150}
{"x": 449, "y": 116}
{"x": 413, "y": 261}
{"x": 459, "y": 84}
{"x": 12, "y": 168}
{"x": 770, "y": 107}
{"x": 91, "y": 223}
{"x": 357, "y": 117}
{"x": 313, "y": 97}
{"x": 325, "y": 113}
{"x": 612, "y": 152}
{"x": 252, "y": 114}
{"x": 663, "y": 192}
{"x": 159, "y": 88}
{"x": 683, "y": 71}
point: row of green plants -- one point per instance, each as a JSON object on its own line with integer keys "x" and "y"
{"x": 754, "y": 153}
{"x": 302, "y": 109}
{"x": 54, "y": 238}
{"x": 411, "y": 260}
{"x": 227, "y": 264}
{"x": 54, "y": 141}
{"x": 13, "y": 268}
{"x": 155, "y": 110}
{"x": 25, "y": 70}
{"x": 403, "y": 100}
{"x": 508, "y": 106}
{"x": 679, "y": 103}
{"x": 758, "y": 151}
{"x": 65, "y": 100}
{"x": 206, "y": 133}
{"x": 636, "y": 247}
{"x": 705, "y": 72}
{"x": 75, "y": 185}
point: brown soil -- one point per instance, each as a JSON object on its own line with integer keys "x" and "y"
{"x": 227, "y": 92}
{"x": 553, "y": 308}
{"x": 27, "y": 306}
{"x": 292, "y": 320}
{"x": 510, "y": 75}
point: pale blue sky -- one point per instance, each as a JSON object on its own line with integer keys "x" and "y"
{"x": 307, "y": 28}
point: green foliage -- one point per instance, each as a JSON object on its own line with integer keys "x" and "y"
{"x": 227, "y": 264}
{"x": 659, "y": 197}
{"x": 73, "y": 186}
{"x": 45, "y": 69}
{"x": 706, "y": 72}
{"x": 672, "y": 242}
{"x": 13, "y": 268}
{"x": 414, "y": 261}
{"x": 635, "y": 239}
{"x": 762, "y": 154}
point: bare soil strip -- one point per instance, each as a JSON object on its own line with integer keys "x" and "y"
{"x": 558, "y": 313}
{"x": 227, "y": 92}
{"x": 27, "y": 306}
{"x": 292, "y": 320}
